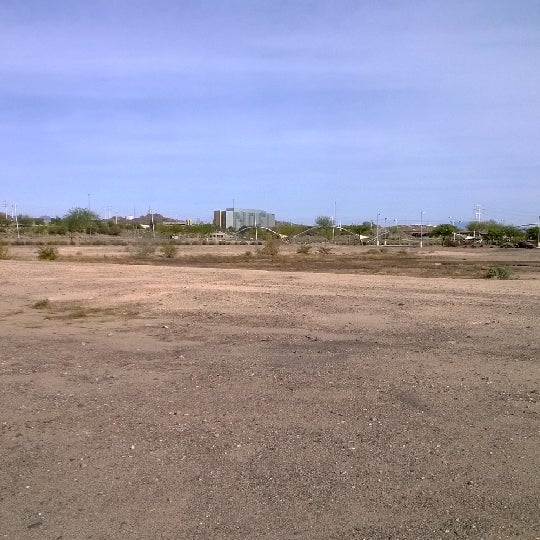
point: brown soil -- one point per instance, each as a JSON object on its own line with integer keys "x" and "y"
{"x": 178, "y": 402}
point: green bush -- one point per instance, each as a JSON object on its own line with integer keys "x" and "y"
{"x": 497, "y": 272}
{"x": 47, "y": 253}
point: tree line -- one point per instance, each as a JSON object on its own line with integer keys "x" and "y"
{"x": 84, "y": 221}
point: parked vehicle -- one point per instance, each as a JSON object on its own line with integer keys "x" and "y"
{"x": 525, "y": 245}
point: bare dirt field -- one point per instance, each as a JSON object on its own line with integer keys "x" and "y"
{"x": 176, "y": 401}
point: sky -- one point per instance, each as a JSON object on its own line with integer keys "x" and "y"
{"x": 355, "y": 109}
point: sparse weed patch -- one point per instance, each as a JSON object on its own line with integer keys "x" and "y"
{"x": 324, "y": 250}
{"x": 4, "y": 252}
{"x": 69, "y": 310}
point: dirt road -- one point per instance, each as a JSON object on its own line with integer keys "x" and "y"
{"x": 149, "y": 402}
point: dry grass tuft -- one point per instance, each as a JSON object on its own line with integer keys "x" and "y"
{"x": 4, "y": 252}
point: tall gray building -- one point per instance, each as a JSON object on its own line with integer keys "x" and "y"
{"x": 242, "y": 217}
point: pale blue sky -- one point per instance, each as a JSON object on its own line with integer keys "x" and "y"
{"x": 388, "y": 107}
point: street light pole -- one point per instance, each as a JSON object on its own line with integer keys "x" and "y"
{"x": 334, "y": 224}
{"x": 421, "y": 229}
{"x": 16, "y": 220}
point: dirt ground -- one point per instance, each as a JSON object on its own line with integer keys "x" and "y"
{"x": 171, "y": 402}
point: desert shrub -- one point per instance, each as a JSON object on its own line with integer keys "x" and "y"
{"x": 323, "y": 250}
{"x": 169, "y": 250}
{"x": 303, "y": 249}
{"x": 144, "y": 249}
{"x": 42, "y": 304}
{"x": 271, "y": 248}
{"x": 3, "y": 251}
{"x": 497, "y": 272}
{"x": 57, "y": 229}
{"x": 47, "y": 253}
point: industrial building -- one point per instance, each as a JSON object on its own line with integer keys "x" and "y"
{"x": 242, "y": 217}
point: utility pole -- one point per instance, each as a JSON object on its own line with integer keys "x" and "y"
{"x": 385, "y": 231}
{"x": 153, "y": 228}
{"x": 5, "y": 208}
{"x": 378, "y": 227}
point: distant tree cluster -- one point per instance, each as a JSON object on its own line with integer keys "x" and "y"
{"x": 83, "y": 221}
{"x": 445, "y": 232}
{"x": 497, "y": 233}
